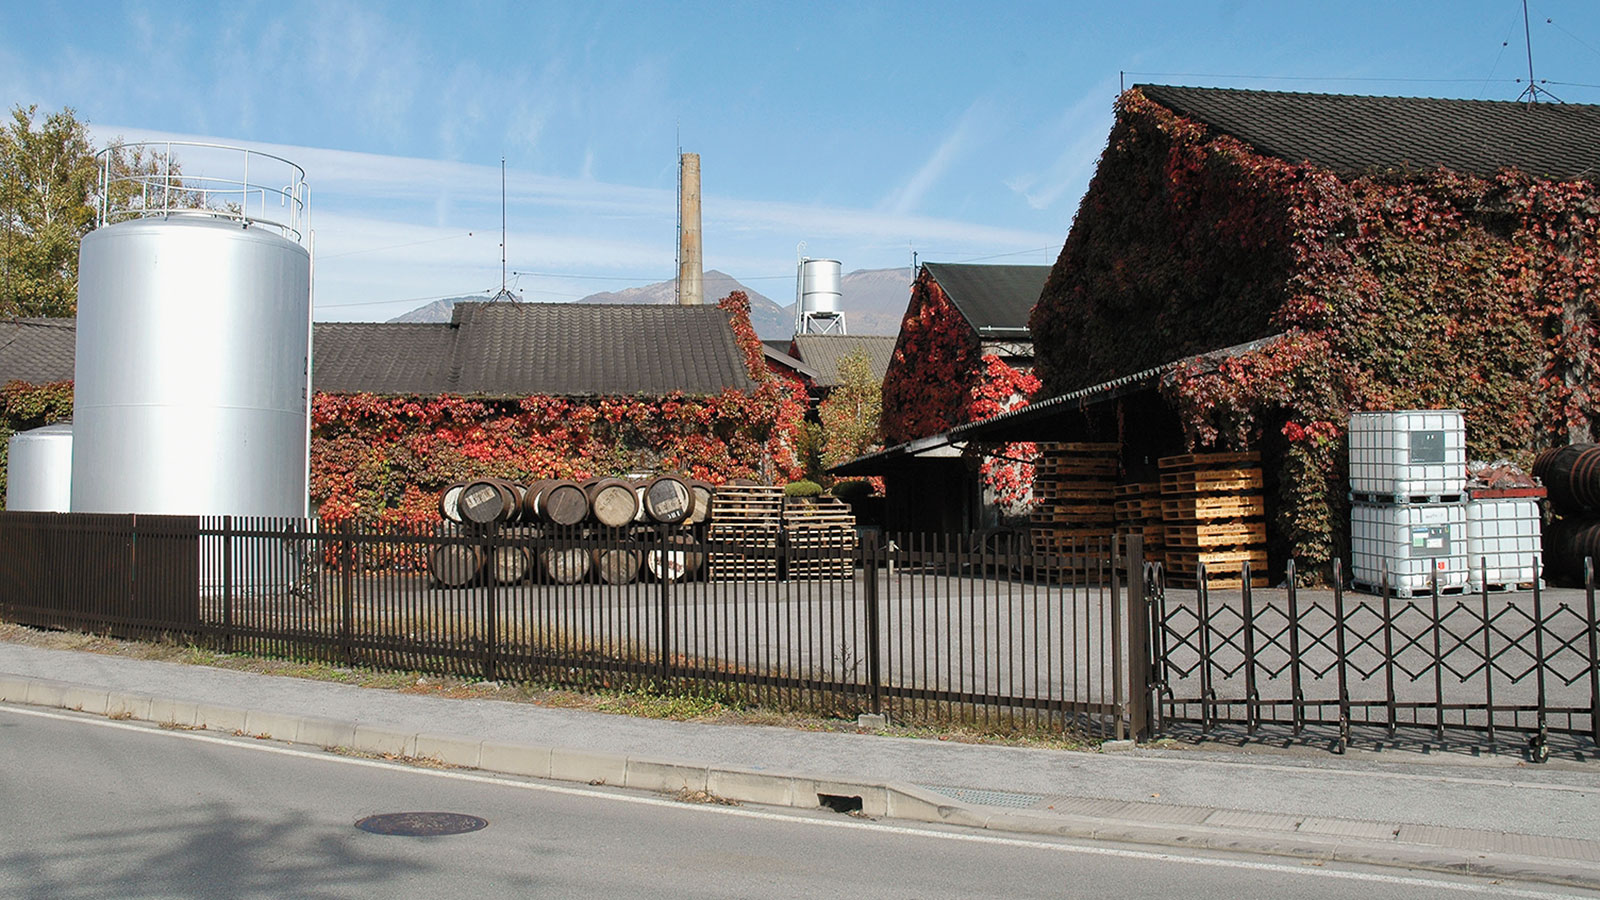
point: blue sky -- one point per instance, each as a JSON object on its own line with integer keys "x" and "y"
{"x": 964, "y": 131}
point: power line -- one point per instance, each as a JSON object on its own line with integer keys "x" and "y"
{"x": 1314, "y": 77}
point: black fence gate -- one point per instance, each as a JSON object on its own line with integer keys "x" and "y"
{"x": 1487, "y": 662}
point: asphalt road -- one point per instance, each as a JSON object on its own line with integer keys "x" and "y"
{"x": 98, "y": 808}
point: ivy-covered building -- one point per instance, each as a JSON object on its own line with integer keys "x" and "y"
{"x": 964, "y": 353}
{"x": 524, "y": 391}
{"x": 1247, "y": 268}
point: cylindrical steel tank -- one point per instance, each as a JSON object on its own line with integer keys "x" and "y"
{"x": 819, "y": 287}
{"x": 192, "y": 354}
{"x": 39, "y": 469}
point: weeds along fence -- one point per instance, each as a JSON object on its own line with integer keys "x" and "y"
{"x": 930, "y": 628}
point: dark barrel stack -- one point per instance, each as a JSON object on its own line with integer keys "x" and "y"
{"x": 1571, "y": 475}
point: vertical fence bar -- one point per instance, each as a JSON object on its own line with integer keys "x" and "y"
{"x": 664, "y": 600}
{"x": 1540, "y": 745}
{"x": 1594, "y": 651}
{"x": 1342, "y": 656}
{"x": 1297, "y": 702}
{"x": 1438, "y": 661}
{"x": 1488, "y": 653}
{"x": 1248, "y": 602}
{"x": 347, "y": 565}
{"x": 227, "y": 583}
{"x": 1203, "y": 600}
{"x": 1388, "y": 647}
{"x": 490, "y": 613}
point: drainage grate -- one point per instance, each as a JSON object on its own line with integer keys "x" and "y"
{"x": 988, "y": 798}
{"x": 421, "y": 824}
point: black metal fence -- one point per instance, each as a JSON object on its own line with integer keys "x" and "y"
{"x": 1487, "y": 662}
{"x": 922, "y": 627}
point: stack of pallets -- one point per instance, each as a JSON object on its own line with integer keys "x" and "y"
{"x": 821, "y": 535}
{"x": 1212, "y": 512}
{"x": 748, "y": 517}
{"x": 1138, "y": 511}
{"x": 1075, "y": 487}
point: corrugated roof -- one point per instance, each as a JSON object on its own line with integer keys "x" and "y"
{"x": 992, "y": 298}
{"x": 37, "y": 351}
{"x": 1354, "y": 135}
{"x": 498, "y": 349}
{"x": 824, "y": 352}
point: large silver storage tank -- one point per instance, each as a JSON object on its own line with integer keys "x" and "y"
{"x": 39, "y": 469}
{"x": 192, "y": 360}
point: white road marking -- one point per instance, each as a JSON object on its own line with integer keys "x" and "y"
{"x": 993, "y": 840}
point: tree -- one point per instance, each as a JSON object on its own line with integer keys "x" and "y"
{"x": 49, "y": 192}
{"x": 47, "y": 180}
{"x": 850, "y": 414}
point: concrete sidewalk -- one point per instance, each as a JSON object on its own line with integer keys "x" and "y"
{"x": 1451, "y": 812}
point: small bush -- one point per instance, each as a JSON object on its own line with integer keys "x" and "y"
{"x": 802, "y": 489}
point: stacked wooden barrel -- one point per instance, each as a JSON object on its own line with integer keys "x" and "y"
{"x": 609, "y": 510}
{"x": 1571, "y": 476}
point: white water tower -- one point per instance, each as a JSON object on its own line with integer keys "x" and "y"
{"x": 194, "y": 337}
{"x": 817, "y": 295}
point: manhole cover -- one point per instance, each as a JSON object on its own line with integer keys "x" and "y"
{"x": 421, "y": 824}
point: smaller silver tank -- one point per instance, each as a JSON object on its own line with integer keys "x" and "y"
{"x": 39, "y": 469}
{"x": 819, "y": 288}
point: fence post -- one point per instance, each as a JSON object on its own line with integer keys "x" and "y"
{"x": 1117, "y": 655}
{"x": 1297, "y": 705}
{"x": 491, "y": 612}
{"x": 347, "y": 565}
{"x": 1140, "y": 650}
{"x": 869, "y": 547}
{"x": 1252, "y": 698}
{"x": 1540, "y": 745}
{"x": 227, "y": 583}
{"x": 1338, "y": 627}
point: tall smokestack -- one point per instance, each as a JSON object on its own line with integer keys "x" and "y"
{"x": 689, "y": 260}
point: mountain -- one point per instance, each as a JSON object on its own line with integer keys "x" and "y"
{"x": 769, "y": 319}
{"x": 873, "y": 300}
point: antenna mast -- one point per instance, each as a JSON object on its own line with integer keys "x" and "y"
{"x": 1532, "y": 92}
{"x": 504, "y": 293}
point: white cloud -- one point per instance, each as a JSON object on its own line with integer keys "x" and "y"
{"x": 1080, "y": 133}
{"x": 910, "y": 194}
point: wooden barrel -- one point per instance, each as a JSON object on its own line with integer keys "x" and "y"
{"x": 1572, "y": 476}
{"x": 483, "y": 501}
{"x": 562, "y": 502}
{"x": 530, "y": 501}
{"x": 1567, "y": 542}
{"x": 639, "y": 484}
{"x": 675, "y": 564}
{"x": 455, "y": 565}
{"x": 703, "y": 492}
{"x": 510, "y": 564}
{"x": 449, "y": 500}
{"x": 668, "y": 499}
{"x": 519, "y": 496}
{"x": 612, "y": 501}
{"x": 618, "y": 565}
{"x": 565, "y": 565}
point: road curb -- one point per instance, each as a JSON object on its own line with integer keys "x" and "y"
{"x": 894, "y": 800}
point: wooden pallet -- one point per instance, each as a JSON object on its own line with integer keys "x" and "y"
{"x": 1095, "y": 491}
{"x": 1216, "y": 584}
{"x": 1209, "y": 460}
{"x": 1217, "y": 534}
{"x": 1081, "y": 468}
{"x": 1210, "y": 481}
{"x": 1139, "y": 489}
{"x": 1082, "y": 449}
{"x": 735, "y": 503}
{"x": 1208, "y": 509}
{"x": 1138, "y": 509}
{"x": 1189, "y": 562}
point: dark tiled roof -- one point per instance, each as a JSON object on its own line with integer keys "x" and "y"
{"x": 823, "y": 352}
{"x": 992, "y": 298}
{"x": 37, "y": 351}
{"x": 499, "y": 349}
{"x": 578, "y": 349}
{"x": 384, "y": 358}
{"x": 1374, "y": 135}
{"x": 793, "y": 364}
